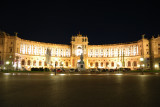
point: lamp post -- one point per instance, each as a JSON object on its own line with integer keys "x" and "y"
{"x": 141, "y": 65}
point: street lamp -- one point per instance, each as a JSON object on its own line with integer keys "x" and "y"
{"x": 141, "y": 59}
{"x": 7, "y": 62}
{"x": 156, "y": 66}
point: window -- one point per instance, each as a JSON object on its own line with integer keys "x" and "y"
{"x": 91, "y": 64}
{"x": 147, "y": 51}
{"x": 134, "y": 63}
{"x": 112, "y": 64}
{"x": 34, "y": 63}
{"x": 158, "y": 50}
{"x": 129, "y": 63}
{"x": 10, "y": 50}
{"x": 107, "y": 64}
{"x": 56, "y": 63}
{"x": 67, "y": 64}
{"x": 45, "y": 63}
{"x": 101, "y": 64}
{"x": 96, "y": 64}
{"x": 40, "y": 63}
{"x": 29, "y": 62}
{"x": 23, "y": 62}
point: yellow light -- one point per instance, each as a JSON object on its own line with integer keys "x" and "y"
{"x": 138, "y": 65}
{"x": 119, "y": 74}
{"x": 141, "y": 59}
{"x": 155, "y": 65}
{"x": 143, "y": 65}
{"x": 62, "y": 74}
{"x": 7, "y": 62}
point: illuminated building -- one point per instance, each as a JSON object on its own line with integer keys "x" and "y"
{"x": 25, "y": 54}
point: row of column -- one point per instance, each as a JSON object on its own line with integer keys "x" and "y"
{"x": 114, "y": 52}
{"x": 40, "y": 50}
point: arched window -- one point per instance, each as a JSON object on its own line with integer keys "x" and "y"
{"x": 129, "y": 63}
{"x": 101, "y": 64}
{"x": 67, "y": 64}
{"x": 134, "y": 63}
{"x": 96, "y": 64}
{"x": 34, "y": 63}
{"x": 61, "y": 63}
{"x": 23, "y": 62}
{"x": 56, "y": 63}
{"x": 91, "y": 64}
{"x": 112, "y": 64}
{"x": 45, "y": 63}
{"x": 107, "y": 64}
{"x": 40, "y": 63}
{"x": 29, "y": 62}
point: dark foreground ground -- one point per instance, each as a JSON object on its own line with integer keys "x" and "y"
{"x": 79, "y": 90}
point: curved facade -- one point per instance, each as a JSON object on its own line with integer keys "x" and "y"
{"x": 17, "y": 53}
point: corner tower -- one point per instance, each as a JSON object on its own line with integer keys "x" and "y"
{"x": 79, "y": 45}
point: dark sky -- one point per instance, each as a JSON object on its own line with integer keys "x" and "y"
{"x": 103, "y": 22}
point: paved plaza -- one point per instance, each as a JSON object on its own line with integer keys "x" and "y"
{"x": 79, "y": 90}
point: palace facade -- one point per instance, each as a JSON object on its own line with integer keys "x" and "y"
{"x": 17, "y": 53}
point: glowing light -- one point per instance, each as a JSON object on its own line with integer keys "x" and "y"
{"x": 141, "y": 59}
{"x": 118, "y": 74}
{"x": 143, "y": 65}
{"x": 156, "y": 66}
{"x": 62, "y": 74}
{"x": 77, "y": 74}
{"x": 7, "y": 73}
{"x": 51, "y": 74}
{"x": 7, "y": 62}
{"x": 138, "y": 65}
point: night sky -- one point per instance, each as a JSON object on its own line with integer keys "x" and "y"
{"x": 103, "y": 22}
